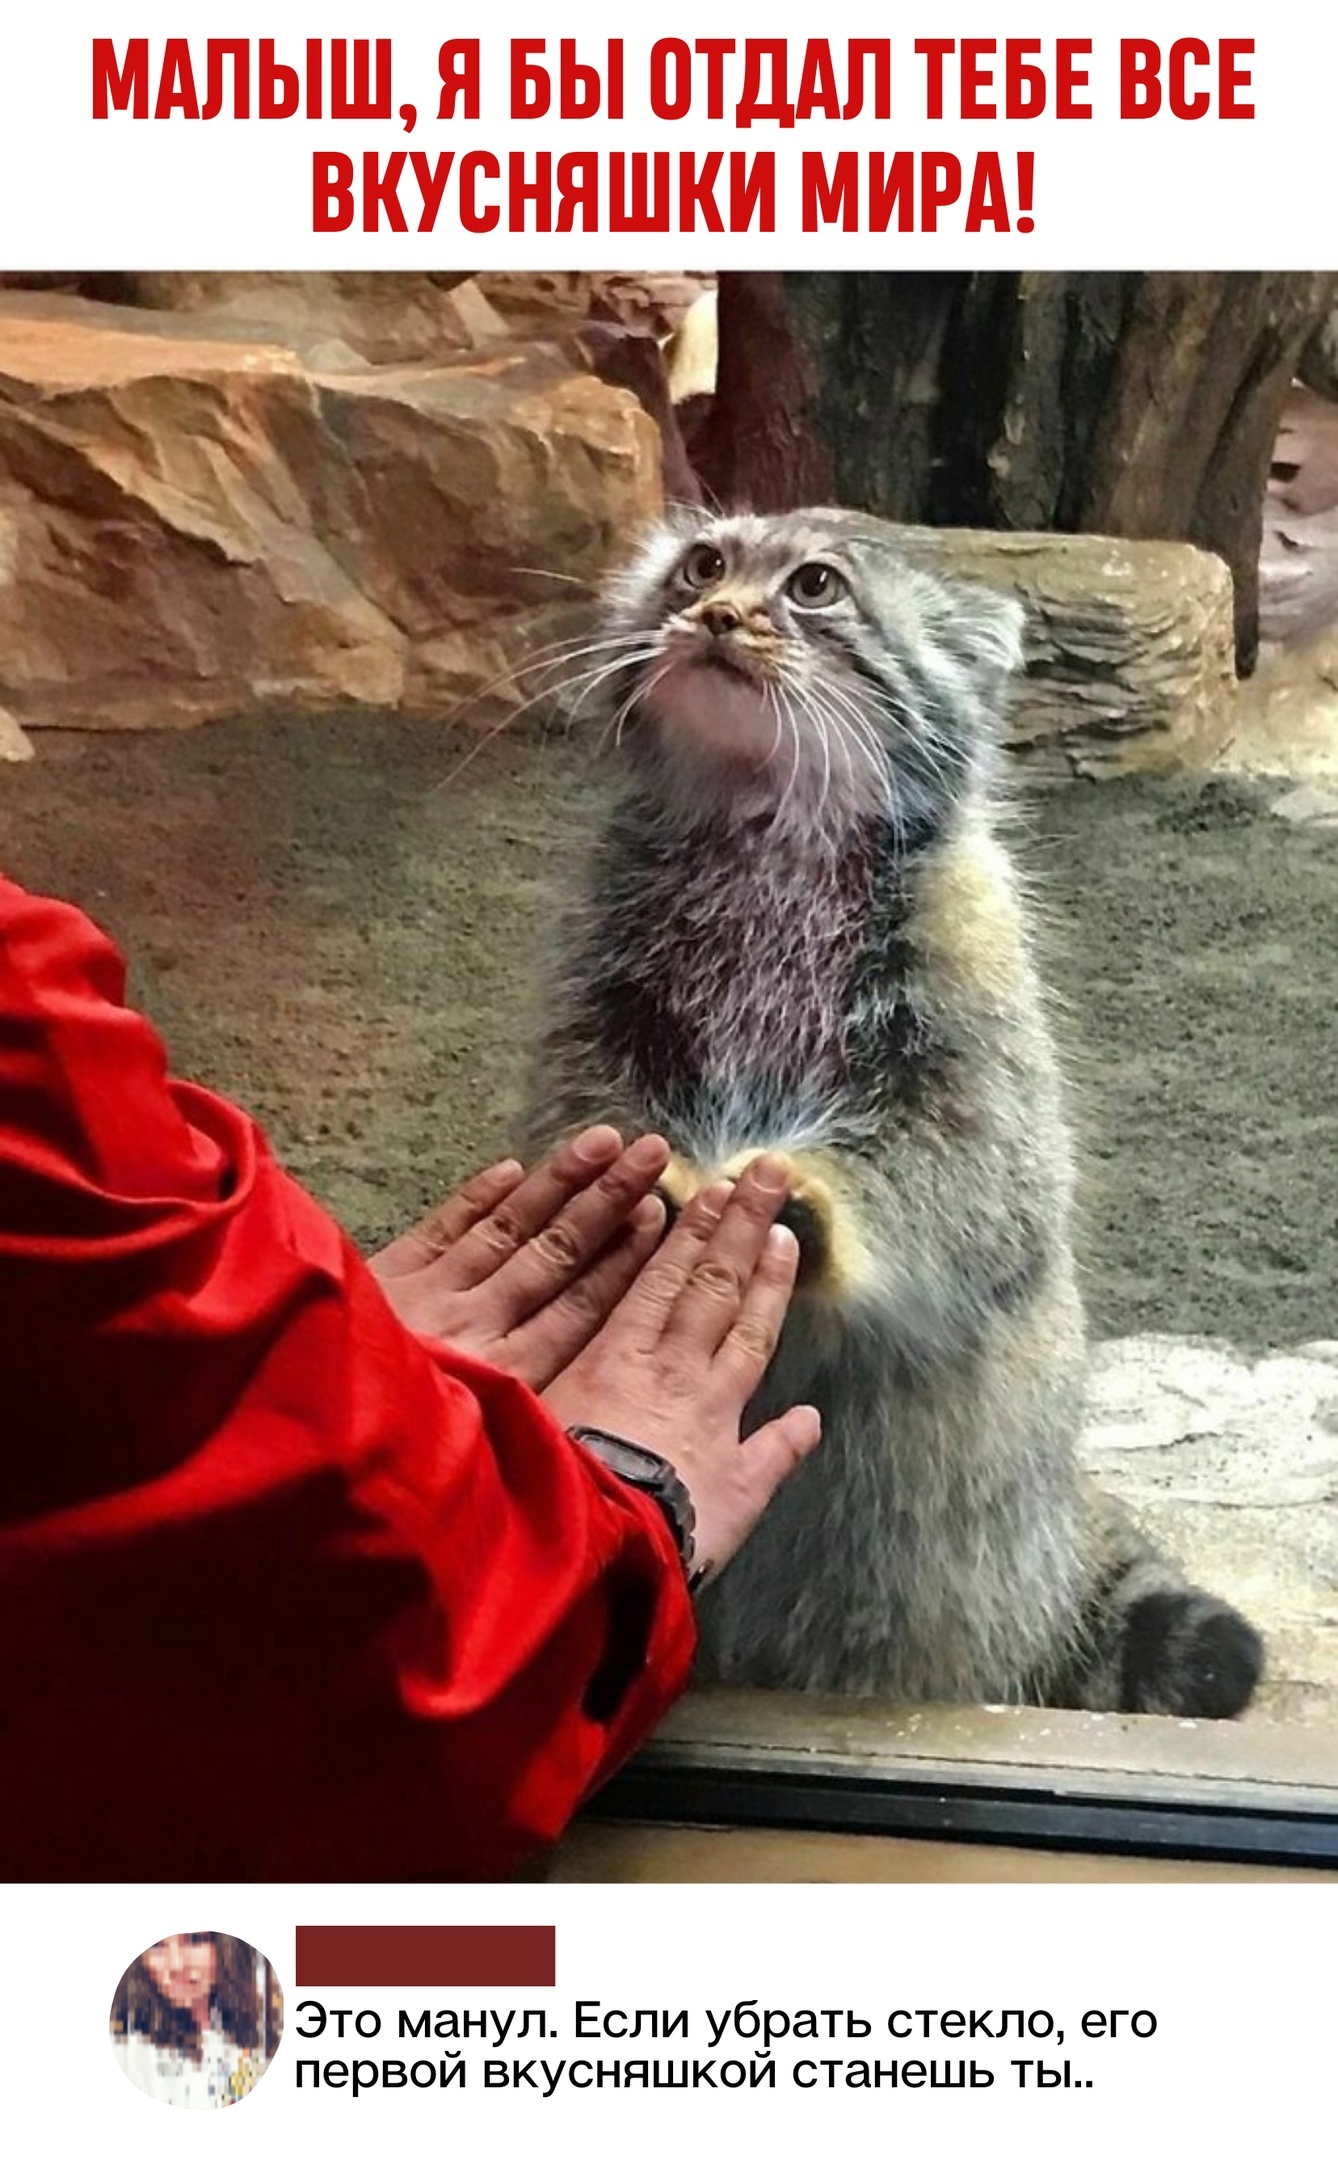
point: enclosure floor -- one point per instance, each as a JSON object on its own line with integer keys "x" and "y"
{"x": 330, "y": 926}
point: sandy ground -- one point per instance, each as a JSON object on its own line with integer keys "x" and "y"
{"x": 331, "y": 927}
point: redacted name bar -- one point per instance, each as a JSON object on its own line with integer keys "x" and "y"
{"x": 426, "y": 1956}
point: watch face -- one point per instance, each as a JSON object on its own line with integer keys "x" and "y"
{"x": 639, "y": 1467}
{"x": 636, "y": 1464}
{"x": 648, "y": 1473}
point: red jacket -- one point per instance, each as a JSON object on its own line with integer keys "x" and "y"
{"x": 285, "y": 1590}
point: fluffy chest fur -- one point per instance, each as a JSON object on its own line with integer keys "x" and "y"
{"x": 733, "y": 967}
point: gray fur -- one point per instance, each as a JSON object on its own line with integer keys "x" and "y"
{"x": 802, "y": 933}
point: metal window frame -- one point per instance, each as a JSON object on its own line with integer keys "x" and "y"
{"x": 1163, "y": 1788}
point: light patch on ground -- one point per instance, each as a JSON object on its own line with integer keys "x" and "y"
{"x": 1232, "y": 1463}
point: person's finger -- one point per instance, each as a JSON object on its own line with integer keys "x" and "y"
{"x": 562, "y": 1252}
{"x": 447, "y": 1224}
{"x": 714, "y": 1294}
{"x": 497, "y": 1236}
{"x": 645, "y": 1310}
{"x": 775, "y": 1450}
{"x": 761, "y": 1465}
{"x": 543, "y": 1346}
{"x": 750, "y": 1343}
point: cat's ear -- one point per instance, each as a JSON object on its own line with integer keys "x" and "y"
{"x": 983, "y": 629}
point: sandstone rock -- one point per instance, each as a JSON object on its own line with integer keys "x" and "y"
{"x": 652, "y": 301}
{"x": 633, "y": 361}
{"x": 1318, "y": 365}
{"x": 1129, "y": 645}
{"x": 1286, "y": 716}
{"x": 15, "y": 748}
{"x": 195, "y": 522}
{"x": 692, "y": 354}
{"x": 631, "y": 331}
{"x": 192, "y": 525}
{"x": 381, "y": 318}
{"x": 1298, "y": 560}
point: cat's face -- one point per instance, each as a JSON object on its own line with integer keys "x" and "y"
{"x": 797, "y": 665}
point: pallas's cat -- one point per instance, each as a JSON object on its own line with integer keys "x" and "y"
{"x": 799, "y": 931}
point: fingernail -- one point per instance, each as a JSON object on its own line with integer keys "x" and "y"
{"x": 770, "y": 1174}
{"x": 782, "y": 1239}
{"x": 648, "y": 1153}
{"x": 712, "y": 1201}
{"x": 597, "y": 1145}
{"x": 648, "y": 1214}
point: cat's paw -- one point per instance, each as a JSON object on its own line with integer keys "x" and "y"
{"x": 1188, "y": 1655}
{"x": 676, "y": 1184}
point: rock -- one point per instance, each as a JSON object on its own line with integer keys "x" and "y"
{"x": 1286, "y": 718}
{"x": 1231, "y": 1463}
{"x": 1318, "y": 364}
{"x": 381, "y": 318}
{"x": 15, "y": 748}
{"x": 197, "y": 520}
{"x": 630, "y": 331}
{"x": 193, "y": 524}
{"x": 1129, "y": 645}
{"x": 651, "y": 301}
{"x": 1298, "y": 559}
{"x": 1308, "y": 805}
{"x": 635, "y": 362}
{"x": 692, "y": 354}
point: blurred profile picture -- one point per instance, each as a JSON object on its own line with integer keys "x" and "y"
{"x": 196, "y": 2019}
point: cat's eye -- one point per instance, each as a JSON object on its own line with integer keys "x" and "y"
{"x": 703, "y": 566}
{"x": 815, "y": 585}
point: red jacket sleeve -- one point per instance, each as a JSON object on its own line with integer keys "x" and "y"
{"x": 285, "y": 1591}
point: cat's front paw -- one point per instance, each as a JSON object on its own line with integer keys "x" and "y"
{"x": 1188, "y": 1655}
{"x": 676, "y": 1184}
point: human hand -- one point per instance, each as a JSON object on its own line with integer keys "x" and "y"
{"x": 675, "y": 1365}
{"x": 522, "y": 1270}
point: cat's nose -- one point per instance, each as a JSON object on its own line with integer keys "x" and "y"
{"x": 720, "y": 618}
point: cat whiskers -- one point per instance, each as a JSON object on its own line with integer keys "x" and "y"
{"x": 932, "y": 746}
{"x": 560, "y": 577}
{"x": 824, "y": 738}
{"x": 606, "y": 655}
{"x": 784, "y": 707}
{"x": 593, "y": 678}
{"x": 855, "y": 733}
{"x": 641, "y": 687}
{"x": 549, "y": 655}
{"x": 771, "y": 699}
{"x": 880, "y": 756}
{"x": 546, "y": 664}
{"x": 828, "y": 729}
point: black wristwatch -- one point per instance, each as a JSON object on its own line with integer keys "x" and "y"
{"x": 650, "y": 1473}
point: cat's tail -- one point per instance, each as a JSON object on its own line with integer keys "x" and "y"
{"x": 1149, "y": 1639}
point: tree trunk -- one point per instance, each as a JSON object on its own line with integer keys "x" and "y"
{"x": 1139, "y": 404}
